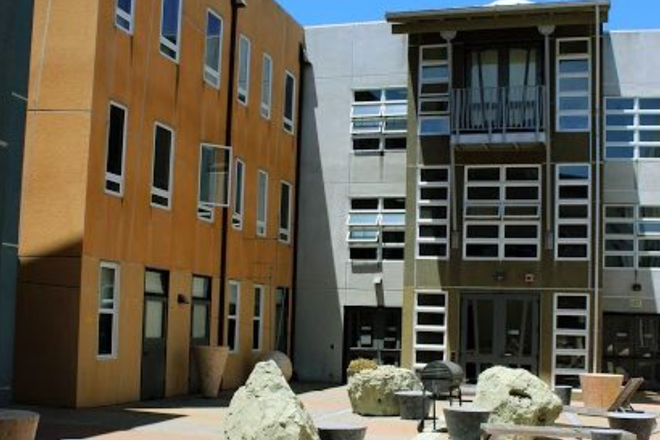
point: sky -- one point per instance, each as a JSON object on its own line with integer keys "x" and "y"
{"x": 625, "y": 14}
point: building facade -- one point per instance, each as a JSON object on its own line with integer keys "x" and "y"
{"x": 157, "y": 206}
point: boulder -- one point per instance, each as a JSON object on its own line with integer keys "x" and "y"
{"x": 373, "y": 392}
{"x": 281, "y": 360}
{"x": 517, "y": 397}
{"x": 266, "y": 408}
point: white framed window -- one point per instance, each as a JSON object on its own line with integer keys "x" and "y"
{"x": 430, "y": 328}
{"x": 502, "y": 213}
{"x": 214, "y": 179}
{"x": 285, "y": 212}
{"x": 376, "y": 229}
{"x": 170, "y": 28}
{"x": 258, "y": 318}
{"x": 124, "y": 13}
{"x": 379, "y": 120}
{"x": 267, "y": 86}
{"x": 433, "y": 209}
{"x": 108, "y": 311}
{"x": 233, "y": 316}
{"x": 213, "y": 48}
{"x": 632, "y": 237}
{"x": 289, "y": 102}
{"x": 570, "y": 338}
{"x": 116, "y": 149}
{"x": 244, "y": 55}
{"x": 162, "y": 176}
{"x": 632, "y": 128}
{"x": 573, "y": 212}
{"x": 573, "y": 84}
{"x": 433, "y": 94}
{"x": 239, "y": 194}
{"x": 262, "y": 203}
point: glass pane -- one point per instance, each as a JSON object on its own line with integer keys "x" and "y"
{"x": 116, "y": 140}
{"x": 619, "y": 212}
{"x": 482, "y": 231}
{"x": 282, "y": 320}
{"x": 649, "y": 245}
{"x": 434, "y": 126}
{"x": 396, "y": 143}
{"x": 573, "y": 66}
{"x": 522, "y": 174}
{"x": 565, "y": 342}
{"x": 393, "y": 253}
{"x": 433, "y": 231}
{"x": 432, "y": 212}
{"x": 396, "y": 109}
{"x": 482, "y": 250}
{"x": 575, "y": 47}
{"x": 155, "y": 283}
{"x": 573, "y": 231}
{"x": 620, "y": 120}
{"x": 521, "y": 231}
{"x": 200, "y": 321}
{"x": 570, "y": 302}
{"x": 363, "y": 253}
{"x": 153, "y": 325}
{"x": 435, "y": 73}
{"x": 574, "y": 103}
{"x": 214, "y": 175}
{"x": 484, "y": 193}
{"x": 394, "y": 203}
{"x": 483, "y": 174}
{"x": 430, "y": 300}
{"x": 289, "y": 97}
{"x": 244, "y": 66}
{"x": 574, "y": 122}
{"x": 368, "y": 235}
{"x": 573, "y": 211}
{"x": 649, "y": 136}
{"x": 267, "y": 84}
{"x": 433, "y": 194}
{"x": 107, "y": 290}
{"x": 649, "y": 104}
{"x": 571, "y": 322}
{"x": 620, "y": 136}
{"x": 518, "y": 330}
{"x": 213, "y": 39}
{"x": 124, "y": 5}
{"x": 574, "y": 172}
{"x": 262, "y": 197}
{"x": 432, "y": 250}
{"x": 520, "y": 251}
{"x": 620, "y": 228}
{"x": 366, "y": 144}
{"x": 393, "y": 219}
{"x": 620, "y": 104}
{"x": 362, "y": 219}
{"x": 649, "y": 120}
{"x": 395, "y": 124}
{"x": 620, "y": 152}
{"x": 396, "y": 94}
{"x": 653, "y": 152}
{"x": 285, "y": 200}
{"x": 201, "y": 288}
{"x": 394, "y": 237}
{"x": 649, "y": 211}
{"x": 162, "y": 156}
{"x": 620, "y": 245}
{"x": 649, "y": 228}
{"x": 106, "y": 334}
{"x": 522, "y": 193}
{"x": 366, "y": 110}
{"x": 367, "y": 95}
{"x": 170, "y": 20}
{"x": 364, "y": 204}
{"x": 434, "y": 175}
{"x": 572, "y": 250}
{"x": 619, "y": 261}
{"x": 649, "y": 261}
{"x": 573, "y": 84}
{"x": 574, "y": 192}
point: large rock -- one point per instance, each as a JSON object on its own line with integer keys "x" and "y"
{"x": 266, "y": 408}
{"x": 372, "y": 392}
{"x": 517, "y": 397}
{"x": 281, "y": 360}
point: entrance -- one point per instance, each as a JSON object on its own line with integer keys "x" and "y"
{"x": 499, "y": 329}
{"x": 154, "y": 340}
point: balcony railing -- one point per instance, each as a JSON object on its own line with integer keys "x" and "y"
{"x": 501, "y": 113}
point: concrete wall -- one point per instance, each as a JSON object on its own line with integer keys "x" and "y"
{"x": 15, "y": 30}
{"x": 343, "y": 58}
{"x": 631, "y": 66}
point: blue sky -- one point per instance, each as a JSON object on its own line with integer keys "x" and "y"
{"x": 625, "y": 14}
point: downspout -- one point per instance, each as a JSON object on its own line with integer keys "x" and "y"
{"x": 546, "y": 31}
{"x": 597, "y": 197}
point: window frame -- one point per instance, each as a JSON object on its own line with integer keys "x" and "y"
{"x": 441, "y": 203}
{"x": 637, "y": 237}
{"x": 636, "y": 144}
{"x": 382, "y": 135}
{"x": 237, "y": 216}
{"x": 114, "y": 312}
{"x": 379, "y": 226}
{"x": 201, "y": 301}
{"x": 262, "y": 224}
{"x": 206, "y": 212}
{"x": 422, "y": 97}
{"x": 111, "y": 177}
{"x": 163, "y": 41}
{"x": 559, "y": 202}
{"x": 213, "y": 77}
{"x": 266, "y": 108}
{"x": 262, "y": 295}
{"x": 236, "y": 318}
{"x": 128, "y": 17}
{"x": 284, "y": 235}
{"x": 243, "y": 93}
{"x": 158, "y": 192}
{"x": 586, "y": 333}
{"x": 289, "y": 123}
{"x": 440, "y": 329}
{"x": 558, "y": 94}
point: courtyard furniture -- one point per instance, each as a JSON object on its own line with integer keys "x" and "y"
{"x": 622, "y": 402}
{"x": 464, "y": 423}
{"x": 600, "y": 390}
{"x": 341, "y": 431}
{"x": 210, "y": 363}
{"x": 18, "y": 425}
{"x": 639, "y": 423}
{"x": 493, "y": 431}
{"x": 414, "y": 405}
{"x": 441, "y": 380}
{"x": 565, "y": 393}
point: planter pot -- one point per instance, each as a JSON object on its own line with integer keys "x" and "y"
{"x": 600, "y": 390}
{"x": 464, "y": 423}
{"x": 334, "y": 431}
{"x": 564, "y": 392}
{"x": 606, "y": 434}
{"x": 210, "y": 362}
{"x": 414, "y": 405}
{"x": 18, "y": 425}
{"x": 640, "y": 424}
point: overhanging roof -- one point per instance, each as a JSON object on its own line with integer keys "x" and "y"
{"x": 498, "y": 17}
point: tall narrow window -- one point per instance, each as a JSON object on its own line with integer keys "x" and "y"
{"x": 434, "y": 80}
{"x": 267, "y": 86}
{"x": 282, "y": 322}
{"x": 262, "y": 204}
{"x": 124, "y": 15}
{"x": 233, "y": 315}
{"x": 244, "y": 50}
{"x": 573, "y": 212}
{"x": 433, "y": 213}
{"x": 214, "y": 178}
{"x": 429, "y": 337}
{"x": 108, "y": 312}
{"x": 213, "y": 49}
{"x": 285, "y": 212}
{"x": 571, "y": 338}
{"x": 239, "y": 194}
{"x": 573, "y": 85}
{"x": 170, "y": 29}
{"x": 114, "y": 162}
{"x": 201, "y": 309}
{"x": 258, "y": 318}
{"x": 289, "y": 102}
{"x": 161, "y": 181}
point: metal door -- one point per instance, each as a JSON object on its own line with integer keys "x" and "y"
{"x": 154, "y": 339}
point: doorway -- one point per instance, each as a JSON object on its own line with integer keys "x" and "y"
{"x": 499, "y": 329}
{"x": 154, "y": 338}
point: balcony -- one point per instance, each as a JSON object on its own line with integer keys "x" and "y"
{"x": 499, "y": 115}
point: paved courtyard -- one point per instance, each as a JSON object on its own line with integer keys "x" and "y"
{"x": 199, "y": 419}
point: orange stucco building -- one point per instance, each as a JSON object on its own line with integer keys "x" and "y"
{"x": 125, "y": 261}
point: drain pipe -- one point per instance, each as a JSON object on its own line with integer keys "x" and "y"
{"x": 546, "y": 31}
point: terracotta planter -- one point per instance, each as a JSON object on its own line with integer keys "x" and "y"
{"x": 210, "y": 362}
{"x": 600, "y": 390}
{"x": 18, "y": 425}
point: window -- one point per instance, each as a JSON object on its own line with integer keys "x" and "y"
{"x": 573, "y": 212}
{"x": 433, "y": 212}
{"x": 170, "y": 29}
{"x": 108, "y": 313}
{"x": 262, "y": 204}
{"x": 239, "y": 193}
{"x": 282, "y": 320}
{"x": 376, "y": 229}
{"x": 201, "y": 309}
{"x": 114, "y": 161}
{"x": 502, "y": 213}
{"x": 214, "y": 178}
{"x": 258, "y": 318}
{"x": 434, "y": 80}
{"x": 430, "y": 328}
{"x": 213, "y": 49}
{"x": 233, "y": 315}
{"x": 244, "y": 49}
{"x": 285, "y": 212}
{"x": 573, "y": 84}
{"x": 379, "y": 120}
{"x": 632, "y": 128}
{"x": 289, "y": 102}
{"x": 632, "y": 237}
{"x": 571, "y": 338}
{"x": 162, "y": 176}
{"x": 267, "y": 86}
{"x": 124, "y": 15}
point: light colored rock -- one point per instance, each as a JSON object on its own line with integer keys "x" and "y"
{"x": 372, "y": 392}
{"x": 281, "y": 360}
{"x": 266, "y": 408}
{"x": 517, "y": 397}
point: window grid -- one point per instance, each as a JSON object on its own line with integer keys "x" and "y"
{"x": 114, "y": 178}
{"x": 379, "y": 229}
{"x": 632, "y": 237}
{"x": 573, "y": 211}
{"x": 433, "y": 208}
{"x": 266, "y": 86}
{"x": 573, "y": 102}
{"x": 430, "y": 327}
{"x": 124, "y": 13}
{"x": 433, "y": 95}
{"x": 632, "y": 128}
{"x": 109, "y": 307}
{"x": 213, "y": 48}
{"x": 262, "y": 203}
{"x": 570, "y": 338}
{"x": 380, "y": 123}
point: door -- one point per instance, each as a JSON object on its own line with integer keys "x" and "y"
{"x": 154, "y": 339}
{"x": 499, "y": 329}
{"x": 200, "y": 324}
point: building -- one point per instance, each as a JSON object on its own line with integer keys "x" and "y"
{"x": 15, "y": 33}
{"x": 157, "y": 204}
